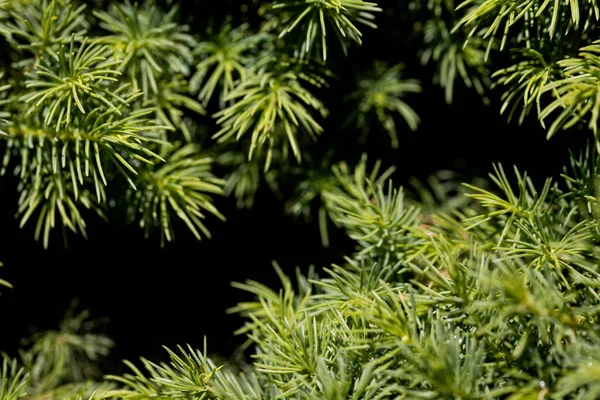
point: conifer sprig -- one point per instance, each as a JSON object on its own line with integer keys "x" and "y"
{"x": 272, "y": 108}
{"x": 499, "y": 17}
{"x": 576, "y": 94}
{"x": 86, "y": 150}
{"x": 525, "y": 83}
{"x": 224, "y": 58}
{"x": 57, "y": 202}
{"x": 64, "y": 361}
{"x": 40, "y": 27}
{"x": 181, "y": 187}
{"x": 246, "y": 176}
{"x": 454, "y": 56}
{"x": 189, "y": 374}
{"x": 148, "y": 42}
{"x": 63, "y": 83}
{"x": 315, "y": 19}
{"x": 13, "y": 380}
{"x": 381, "y": 95}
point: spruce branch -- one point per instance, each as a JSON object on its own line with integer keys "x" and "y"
{"x": 75, "y": 126}
{"x": 75, "y": 122}
{"x": 171, "y": 103}
{"x": 338, "y": 189}
{"x": 61, "y": 85}
{"x": 224, "y": 59}
{"x": 576, "y": 95}
{"x": 378, "y": 220}
{"x": 537, "y": 311}
{"x": 57, "y": 164}
{"x": 315, "y": 19}
{"x": 454, "y": 56}
{"x": 188, "y": 375}
{"x": 510, "y": 205}
{"x": 331, "y": 186}
{"x": 155, "y": 54}
{"x": 381, "y": 94}
{"x": 525, "y": 83}
{"x": 352, "y": 286}
{"x": 274, "y": 107}
{"x": 581, "y": 179}
{"x": 443, "y": 363}
{"x": 65, "y": 356}
{"x": 182, "y": 186}
{"x": 83, "y": 150}
{"x": 13, "y": 380}
{"x": 500, "y": 17}
{"x": 371, "y": 214}
{"x": 340, "y": 379}
{"x": 53, "y": 196}
{"x": 246, "y": 176}
{"x": 40, "y": 27}
{"x": 246, "y": 384}
{"x": 149, "y": 43}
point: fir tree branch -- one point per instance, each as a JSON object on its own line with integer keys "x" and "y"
{"x": 454, "y": 56}
{"x": 381, "y": 94}
{"x": 224, "y": 59}
{"x": 526, "y": 81}
{"x": 13, "y": 380}
{"x": 39, "y": 28}
{"x": 63, "y": 83}
{"x": 273, "y": 107}
{"x": 314, "y": 19}
{"x": 183, "y": 187}
{"x": 149, "y": 43}
{"x": 64, "y": 356}
{"x": 576, "y": 94}
{"x": 54, "y": 197}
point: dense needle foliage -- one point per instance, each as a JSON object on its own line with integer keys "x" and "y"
{"x": 476, "y": 290}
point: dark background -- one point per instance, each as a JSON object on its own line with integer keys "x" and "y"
{"x": 177, "y": 295}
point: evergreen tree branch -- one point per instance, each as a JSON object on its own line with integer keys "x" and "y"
{"x": 314, "y": 19}
{"x": 182, "y": 187}
{"x": 273, "y": 107}
{"x": 13, "y": 380}
{"x": 381, "y": 94}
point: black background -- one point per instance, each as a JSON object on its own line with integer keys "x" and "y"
{"x": 177, "y": 295}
